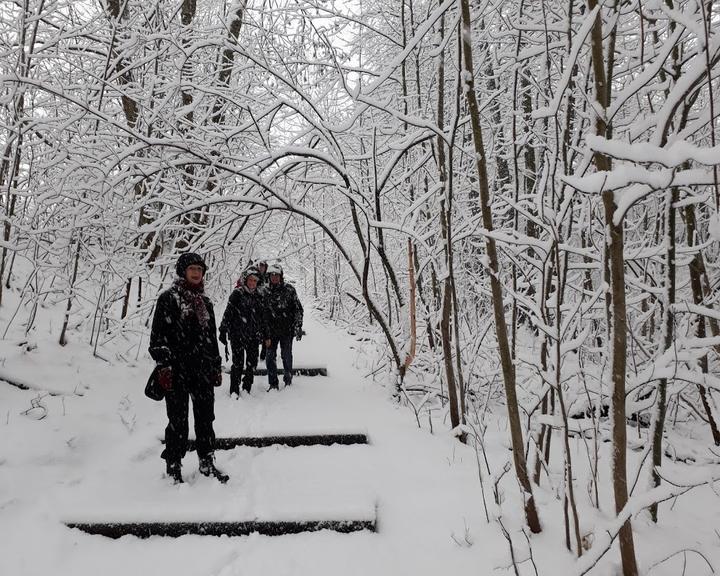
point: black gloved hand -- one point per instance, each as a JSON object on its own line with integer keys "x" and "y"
{"x": 298, "y": 333}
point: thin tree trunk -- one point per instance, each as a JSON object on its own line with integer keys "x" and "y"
{"x": 508, "y": 369}
{"x": 410, "y": 356}
{"x": 569, "y": 486}
{"x": 616, "y": 308}
{"x": 697, "y": 269}
{"x": 73, "y": 279}
{"x": 445, "y": 216}
{"x": 668, "y": 337}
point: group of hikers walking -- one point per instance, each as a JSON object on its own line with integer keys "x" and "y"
{"x": 262, "y": 314}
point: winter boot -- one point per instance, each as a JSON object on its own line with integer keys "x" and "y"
{"x": 235, "y": 380}
{"x": 208, "y": 468}
{"x": 174, "y": 472}
{"x": 247, "y": 383}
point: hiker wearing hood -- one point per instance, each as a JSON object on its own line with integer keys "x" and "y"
{"x": 243, "y": 324}
{"x": 284, "y": 319}
{"x": 183, "y": 342}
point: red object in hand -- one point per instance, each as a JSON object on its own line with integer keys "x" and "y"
{"x": 165, "y": 378}
{"x": 218, "y": 378}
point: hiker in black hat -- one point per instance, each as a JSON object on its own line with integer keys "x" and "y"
{"x": 183, "y": 342}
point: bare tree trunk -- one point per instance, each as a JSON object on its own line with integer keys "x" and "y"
{"x": 410, "y": 356}
{"x": 445, "y": 225}
{"x": 66, "y": 321}
{"x": 508, "y": 369}
{"x": 569, "y": 486}
{"x": 544, "y": 429}
{"x": 616, "y": 308}
{"x": 697, "y": 270}
{"x": 668, "y": 337}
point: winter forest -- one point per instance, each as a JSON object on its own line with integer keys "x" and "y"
{"x": 512, "y": 207}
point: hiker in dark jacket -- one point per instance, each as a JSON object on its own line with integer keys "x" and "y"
{"x": 262, "y": 267}
{"x": 183, "y": 342}
{"x": 243, "y": 323}
{"x": 284, "y": 318}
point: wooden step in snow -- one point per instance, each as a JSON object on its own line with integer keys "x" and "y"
{"x": 297, "y": 371}
{"x": 292, "y": 441}
{"x": 176, "y": 529}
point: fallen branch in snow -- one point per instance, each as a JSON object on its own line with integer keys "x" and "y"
{"x": 37, "y": 410}
{"x": 683, "y": 551}
{"x": 23, "y": 384}
{"x": 13, "y": 382}
{"x": 510, "y": 544}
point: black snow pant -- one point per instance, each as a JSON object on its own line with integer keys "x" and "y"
{"x": 188, "y": 385}
{"x": 285, "y": 343}
{"x": 243, "y": 353}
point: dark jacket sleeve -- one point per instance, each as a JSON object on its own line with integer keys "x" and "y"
{"x": 214, "y": 348}
{"x": 228, "y": 316}
{"x": 298, "y": 322}
{"x": 262, "y": 316}
{"x": 229, "y": 323}
{"x": 269, "y": 320}
{"x": 166, "y": 316}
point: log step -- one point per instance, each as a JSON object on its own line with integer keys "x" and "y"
{"x": 292, "y": 441}
{"x": 176, "y": 529}
{"x": 300, "y": 371}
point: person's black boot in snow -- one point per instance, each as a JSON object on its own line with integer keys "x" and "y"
{"x": 208, "y": 468}
{"x": 174, "y": 472}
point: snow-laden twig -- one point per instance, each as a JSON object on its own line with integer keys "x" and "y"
{"x": 606, "y": 533}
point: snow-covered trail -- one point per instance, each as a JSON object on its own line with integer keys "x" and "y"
{"x": 96, "y": 457}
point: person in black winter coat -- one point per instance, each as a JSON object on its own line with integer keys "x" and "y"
{"x": 183, "y": 342}
{"x": 262, "y": 267}
{"x": 243, "y": 322}
{"x": 284, "y": 318}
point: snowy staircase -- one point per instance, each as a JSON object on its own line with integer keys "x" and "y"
{"x": 330, "y": 482}
{"x": 280, "y": 482}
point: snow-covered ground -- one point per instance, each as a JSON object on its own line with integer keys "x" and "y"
{"x": 91, "y": 452}
{"x": 95, "y": 456}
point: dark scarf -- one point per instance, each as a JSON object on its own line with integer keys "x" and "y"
{"x": 191, "y": 301}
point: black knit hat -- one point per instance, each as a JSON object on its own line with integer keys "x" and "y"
{"x": 189, "y": 259}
